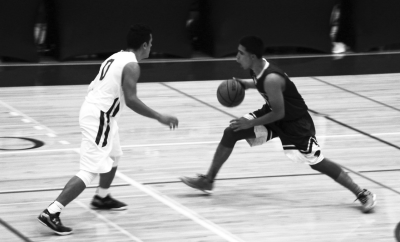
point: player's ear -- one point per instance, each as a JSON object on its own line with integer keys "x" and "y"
{"x": 144, "y": 45}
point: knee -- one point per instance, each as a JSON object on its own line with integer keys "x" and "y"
{"x": 329, "y": 168}
{"x": 319, "y": 166}
{"x": 229, "y": 133}
{"x": 86, "y": 176}
{"x": 315, "y": 166}
{"x": 229, "y": 139}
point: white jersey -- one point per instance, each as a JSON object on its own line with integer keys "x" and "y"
{"x": 105, "y": 91}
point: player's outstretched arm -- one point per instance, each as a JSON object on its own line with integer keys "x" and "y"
{"x": 246, "y": 83}
{"x": 130, "y": 77}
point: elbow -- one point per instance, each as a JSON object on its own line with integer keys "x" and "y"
{"x": 281, "y": 115}
{"x": 130, "y": 103}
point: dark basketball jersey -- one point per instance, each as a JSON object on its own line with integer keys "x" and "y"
{"x": 297, "y": 126}
{"x": 295, "y": 107}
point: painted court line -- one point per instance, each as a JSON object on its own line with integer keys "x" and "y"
{"x": 14, "y": 231}
{"x": 174, "y": 144}
{"x": 131, "y": 236}
{"x": 14, "y": 110}
{"x": 181, "y": 209}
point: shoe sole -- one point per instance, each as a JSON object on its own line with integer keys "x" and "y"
{"x": 209, "y": 192}
{"x": 59, "y": 233}
{"x": 372, "y": 206}
{"x": 109, "y": 209}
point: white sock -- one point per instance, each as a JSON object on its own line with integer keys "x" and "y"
{"x": 102, "y": 192}
{"x": 55, "y": 207}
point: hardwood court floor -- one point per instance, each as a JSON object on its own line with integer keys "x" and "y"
{"x": 259, "y": 196}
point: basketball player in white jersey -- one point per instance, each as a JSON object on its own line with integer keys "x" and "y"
{"x": 112, "y": 89}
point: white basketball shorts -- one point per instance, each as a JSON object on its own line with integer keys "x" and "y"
{"x": 100, "y": 139}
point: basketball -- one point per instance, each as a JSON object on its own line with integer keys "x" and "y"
{"x": 230, "y": 93}
{"x": 397, "y": 232}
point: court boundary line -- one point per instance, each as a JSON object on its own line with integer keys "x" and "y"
{"x": 14, "y": 231}
{"x": 27, "y": 117}
{"x": 198, "y": 100}
{"x": 55, "y": 189}
{"x": 172, "y": 144}
{"x": 371, "y": 180}
{"x": 355, "y": 129}
{"x": 310, "y": 110}
{"x": 182, "y": 209}
{"x": 218, "y": 179}
{"x": 178, "y": 207}
{"x": 355, "y": 93}
{"x": 101, "y": 217}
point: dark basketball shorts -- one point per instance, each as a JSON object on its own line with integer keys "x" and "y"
{"x": 298, "y": 138}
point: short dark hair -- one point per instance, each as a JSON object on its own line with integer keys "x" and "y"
{"x": 253, "y": 45}
{"x": 137, "y": 35}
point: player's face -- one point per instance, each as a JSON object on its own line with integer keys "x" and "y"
{"x": 148, "y": 47}
{"x": 244, "y": 58}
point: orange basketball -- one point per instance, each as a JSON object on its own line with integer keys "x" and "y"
{"x": 230, "y": 93}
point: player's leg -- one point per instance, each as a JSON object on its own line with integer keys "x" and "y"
{"x": 50, "y": 217}
{"x": 205, "y": 183}
{"x": 254, "y": 136}
{"x": 103, "y": 198}
{"x": 313, "y": 157}
{"x": 93, "y": 158}
{"x": 333, "y": 170}
{"x": 107, "y": 178}
{"x": 225, "y": 148}
{"x": 72, "y": 190}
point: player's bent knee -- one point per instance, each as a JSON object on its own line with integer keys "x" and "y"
{"x": 86, "y": 176}
{"x": 229, "y": 138}
{"x": 309, "y": 159}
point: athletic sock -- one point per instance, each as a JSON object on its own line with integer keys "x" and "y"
{"x": 345, "y": 180}
{"x": 334, "y": 171}
{"x": 102, "y": 192}
{"x": 55, "y": 207}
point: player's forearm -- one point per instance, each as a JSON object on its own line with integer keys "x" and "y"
{"x": 139, "y": 107}
{"x": 268, "y": 118}
{"x": 246, "y": 83}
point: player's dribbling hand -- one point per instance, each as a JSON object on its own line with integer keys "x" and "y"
{"x": 169, "y": 120}
{"x": 240, "y": 124}
{"x": 240, "y": 81}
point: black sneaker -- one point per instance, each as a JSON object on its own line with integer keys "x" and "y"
{"x": 367, "y": 199}
{"x": 107, "y": 203}
{"x": 200, "y": 183}
{"x": 53, "y": 221}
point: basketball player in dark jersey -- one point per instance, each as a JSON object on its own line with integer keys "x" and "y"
{"x": 284, "y": 115}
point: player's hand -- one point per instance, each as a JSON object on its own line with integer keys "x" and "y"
{"x": 169, "y": 120}
{"x": 240, "y": 124}
{"x": 240, "y": 81}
